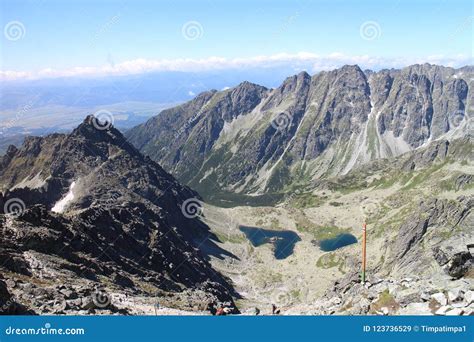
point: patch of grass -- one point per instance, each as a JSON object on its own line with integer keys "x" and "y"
{"x": 395, "y": 221}
{"x": 39, "y": 282}
{"x": 385, "y": 300}
{"x": 448, "y": 184}
{"x": 295, "y": 294}
{"x": 348, "y": 306}
{"x": 146, "y": 287}
{"x": 422, "y": 176}
{"x": 434, "y": 305}
{"x": 279, "y": 177}
{"x": 329, "y": 260}
{"x": 304, "y": 225}
{"x": 385, "y": 182}
{"x": 232, "y": 238}
{"x": 229, "y": 200}
{"x": 276, "y": 277}
{"x": 275, "y": 224}
{"x": 380, "y": 213}
{"x": 306, "y": 200}
{"x": 469, "y": 274}
{"x": 444, "y": 235}
{"x": 349, "y": 183}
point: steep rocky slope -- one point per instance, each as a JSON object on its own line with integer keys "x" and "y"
{"x": 86, "y": 212}
{"x": 252, "y": 140}
{"x": 419, "y": 213}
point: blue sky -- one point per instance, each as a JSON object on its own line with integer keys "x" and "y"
{"x": 63, "y": 35}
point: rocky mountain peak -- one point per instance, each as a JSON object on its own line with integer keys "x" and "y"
{"x": 246, "y": 85}
{"x": 349, "y": 76}
{"x": 80, "y": 193}
{"x": 243, "y": 98}
{"x": 96, "y": 129}
{"x": 93, "y": 133}
{"x": 294, "y": 82}
{"x": 350, "y": 68}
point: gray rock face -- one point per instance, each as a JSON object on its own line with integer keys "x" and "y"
{"x": 389, "y": 296}
{"x": 9, "y": 305}
{"x": 254, "y": 140}
{"x": 419, "y": 231}
{"x": 455, "y": 263}
{"x": 437, "y": 150}
{"x": 187, "y": 133}
{"x": 95, "y": 208}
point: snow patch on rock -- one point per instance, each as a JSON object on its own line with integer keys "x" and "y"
{"x": 63, "y": 203}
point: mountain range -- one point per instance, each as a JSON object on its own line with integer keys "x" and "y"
{"x": 253, "y": 140}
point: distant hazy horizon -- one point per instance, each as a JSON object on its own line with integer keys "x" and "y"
{"x": 85, "y": 39}
{"x": 60, "y": 61}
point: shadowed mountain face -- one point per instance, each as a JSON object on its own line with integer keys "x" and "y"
{"x": 253, "y": 140}
{"x": 99, "y": 212}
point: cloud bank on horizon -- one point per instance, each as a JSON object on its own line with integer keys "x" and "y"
{"x": 50, "y": 39}
{"x": 306, "y": 61}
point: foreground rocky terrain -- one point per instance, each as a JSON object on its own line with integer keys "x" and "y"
{"x": 407, "y": 296}
{"x": 86, "y": 216}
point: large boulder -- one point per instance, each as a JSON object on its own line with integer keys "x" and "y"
{"x": 455, "y": 263}
{"x": 9, "y": 305}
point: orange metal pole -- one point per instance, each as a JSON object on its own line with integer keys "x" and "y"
{"x": 364, "y": 250}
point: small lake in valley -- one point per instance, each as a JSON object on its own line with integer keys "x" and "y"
{"x": 342, "y": 240}
{"x": 283, "y": 241}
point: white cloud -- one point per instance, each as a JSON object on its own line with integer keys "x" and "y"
{"x": 191, "y": 93}
{"x": 299, "y": 61}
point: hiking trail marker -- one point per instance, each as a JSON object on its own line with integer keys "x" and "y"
{"x": 364, "y": 250}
